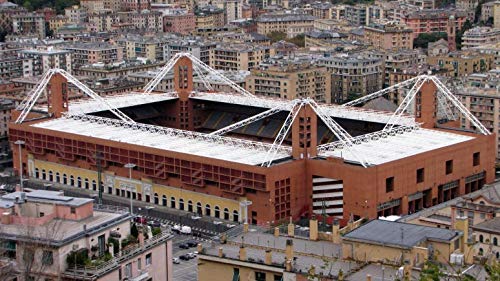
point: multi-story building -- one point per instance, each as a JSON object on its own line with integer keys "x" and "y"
{"x": 480, "y": 36}
{"x": 488, "y": 239}
{"x": 57, "y": 22}
{"x": 166, "y": 85}
{"x": 239, "y": 56}
{"x": 134, "y": 5}
{"x": 399, "y": 61}
{"x": 7, "y": 11}
{"x": 487, "y": 11}
{"x": 147, "y": 46}
{"x": 114, "y": 70}
{"x": 92, "y": 6}
{"x": 40, "y": 60}
{"x": 354, "y": 75}
{"x": 89, "y": 53}
{"x": 144, "y": 20}
{"x": 281, "y": 22}
{"x": 491, "y": 49}
{"x": 356, "y": 14}
{"x": 29, "y": 24}
{"x": 233, "y": 9}
{"x": 182, "y": 23}
{"x": 209, "y": 16}
{"x": 5, "y": 151}
{"x": 102, "y": 22}
{"x": 12, "y": 66}
{"x": 322, "y": 10}
{"x": 496, "y": 14}
{"x": 469, "y": 6}
{"x": 60, "y": 237}
{"x": 198, "y": 47}
{"x": 389, "y": 36}
{"x": 462, "y": 63}
{"x": 423, "y": 4}
{"x": 76, "y": 14}
{"x": 291, "y": 81}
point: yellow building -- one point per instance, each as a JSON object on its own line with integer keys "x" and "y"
{"x": 496, "y": 14}
{"x": 459, "y": 64}
{"x": 402, "y": 243}
{"x": 291, "y": 81}
{"x": 389, "y": 36}
{"x": 209, "y": 16}
{"x": 57, "y": 22}
{"x": 92, "y": 6}
{"x": 239, "y": 56}
{"x": 280, "y": 22}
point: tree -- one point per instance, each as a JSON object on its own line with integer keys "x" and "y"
{"x": 299, "y": 40}
{"x": 493, "y": 270}
{"x": 276, "y": 36}
{"x": 134, "y": 231}
{"x": 431, "y": 272}
{"x": 458, "y": 39}
{"x": 424, "y": 39}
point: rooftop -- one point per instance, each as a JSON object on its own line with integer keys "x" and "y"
{"x": 399, "y": 234}
{"x": 492, "y": 226}
{"x": 283, "y": 17}
{"x": 45, "y": 196}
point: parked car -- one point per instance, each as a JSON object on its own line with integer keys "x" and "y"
{"x": 140, "y": 219}
{"x": 154, "y": 223}
{"x": 184, "y": 246}
{"x": 191, "y": 255}
{"x": 192, "y": 243}
{"x": 176, "y": 260}
{"x": 184, "y": 257}
{"x": 195, "y": 217}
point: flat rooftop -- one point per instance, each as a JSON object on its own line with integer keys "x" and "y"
{"x": 45, "y": 196}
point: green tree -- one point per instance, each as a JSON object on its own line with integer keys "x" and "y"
{"x": 458, "y": 39}
{"x": 431, "y": 272}
{"x": 299, "y": 40}
{"x": 424, "y": 39}
{"x": 493, "y": 270}
{"x": 276, "y": 36}
{"x": 134, "y": 231}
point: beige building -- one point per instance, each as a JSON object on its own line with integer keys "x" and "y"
{"x": 59, "y": 237}
{"x": 239, "y": 56}
{"x": 57, "y": 22}
{"x": 389, "y": 36}
{"x": 281, "y": 22}
{"x": 291, "y": 81}
{"x": 88, "y": 53}
{"x": 488, "y": 239}
{"x": 462, "y": 63}
{"x": 92, "y": 6}
{"x": 496, "y": 14}
{"x": 480, "y": 36}
{"x": 209, "y": 16}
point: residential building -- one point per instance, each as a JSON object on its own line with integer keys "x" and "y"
{"x": 423, "y": 4}
{"x": 142, "y": 20}
{"x": 11, "y": 66}
{"x": 331, "y": 25}
{"x": 487, "y": 236}
{"x": 89, "y": 53}
{"x": 5, "y": 151}
{"x": 389, "y": 36}
{"x": 480, "y": 36}
{"x": 462, "y": 63}
{"x": 438, "y": 48}
{"x": 496, "y": 14}
{"x": 238, "y": 77}
{"x": 487, "y": 11}
{"x": 57, "y": 22}
{"x": 182, "y": 23}
{"x": 291, "y": 81}
{"x": 322, "y": 10}
{"x": 233, "y": 9}
{"x": 92, "y": 6}
{"x": 42, "y": 59}
{"x": 491, "y": 49}
{"x": 29, "y": 24}
{"x": 134, "y": 5}
{"x": 354, "y": 75}
{"x": 166, "y": 85}
{"x": 236, "y": 57}
{"x": 198, "y": 47}
{"x": 209, "y": 16}
{"x": 400, "y": 62}
{"x": 102, "y": 22}
{"x": 45, "y": 229}
{"x": 356, "y": 14}
{"x": 469, "y": 6}
{"x": 144, "y": 46}
{"x": 7, "y": 11}
{"x": 114, "y": 70}
{"x": 281, "y": 22}
{"x": 76, "y": 14}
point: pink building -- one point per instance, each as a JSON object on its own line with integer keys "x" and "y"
{"x": 57, "y": 237}
{"x": 180, "y": 23}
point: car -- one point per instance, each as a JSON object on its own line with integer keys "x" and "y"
{"x": 195, "y": 217}
{"x": 176, "y": 260}
{"x": 154, "y": 223}
{"x": 217, "y": 222}
{"x": 230, "y": 225}
{"x": 184, "y": 257}
{"x": 141, "y": 220}
{"x": 184, "y": 246}
{"x": 192, "y": 244}
{"x": 191, "y": 255}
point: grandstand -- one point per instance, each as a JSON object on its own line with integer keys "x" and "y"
{"x": 213, "y": 153}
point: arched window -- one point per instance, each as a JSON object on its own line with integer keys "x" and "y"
{"x": 37, "y": 173}
{"x": 58, "y": 177}
{"x": 65, "y": 179}
{"x": 190, "y": 206}
{"x": 199, "y": 210}
{"x": 207, "y": 210}
{"x": 44, "y": 176}
{"x": 481, "y": 238}
{"x": 181, "y": 204}
{"x": 226, "y": 213}
{"x": 482, "y": 202}
{"x": 51, "y": 176}
{"x": 164, "y": 200}
{"x": 94, "y": 185}
{"x": 217, "y": 212}
{"x": 86, "y": 183}
{"x": 481, "y": 251}
{"x": 498, "y": 255}
{"x": 172, "y": 202}
{"x": 156, "y": 199}
{"x": 71, "y": 180}
{"x": 495, "y": 241}
{"x": 79, "y": 181}
{"x": 235, "y": 216}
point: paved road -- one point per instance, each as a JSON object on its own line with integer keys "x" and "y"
{"x": 186, "y": 270}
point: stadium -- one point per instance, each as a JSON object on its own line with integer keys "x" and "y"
{"x": 239, "y": 157}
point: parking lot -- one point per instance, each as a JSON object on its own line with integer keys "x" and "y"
{"x": 185, "y": 270}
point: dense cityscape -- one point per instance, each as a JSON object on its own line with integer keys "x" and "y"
{"x": 263, "y": 140}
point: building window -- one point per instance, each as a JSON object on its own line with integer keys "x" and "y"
{"x": 449, "y": 167}
{"x": 47, "y": 258}
{"x": 149, "y": 259}
{"x": 260, "y": 276}
{"x": 420, "y": 175}
{"x": 481, "y": 238}
{"x": 476, "y": 159}
{"x": 139, "y": 264}
{"x": 73, "y": 210}
{"x": 128, "y": 270}
{"x": 495, "y": 241}
{"x": 457, "y": 243}
{"x": 389, "y": 184}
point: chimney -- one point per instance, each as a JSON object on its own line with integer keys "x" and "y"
{"x": 141, "y": 238}
{"x": 312, "y": 271}
{"x": 269, "y": 257}
{"x": 289, "y": 249}
{"x": 291, "y": 228}
{"x": 245, "y": 227}
{"x": 336, "y": 232}
{"x": 288, "y": 265}
{"x": 243, "y": 253}
{"x": 276, "y": 232}
{"x": 6, "y": 219}
{"x": 368, "y": 277}
{"x": 221, "y": 253}
{"x": 313, "y": 229}
{"x": 199, "y": 248}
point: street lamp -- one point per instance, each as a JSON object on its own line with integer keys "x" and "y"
{"x": 20, "y": 143}
{"x": 130, "y": 166}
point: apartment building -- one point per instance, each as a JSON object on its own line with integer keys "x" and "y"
{"x": 134, "y": 5}
{"x": 182, "y": 23}
{"x": 57, "y": 237}
{"x": 233, "y": 9}
{"x": 7, "y": 11}
{"x": 143, "y": 20}
{"x": 209, "y": 16}
{"x": 42, "y": 59}
{"x": 90, "y": 52}
{"x": 423, "y": 4}
{"x": 487, "y": 11}
{"x": 469, "y": 6}
{"x": 389, "y": 36}
{"x": 146, "y": 47}
{"x": 462, "y": 63}
{"x": 102, "y": 22}
{"x": 76, "y": 14}
{"x": 361, "y": 15}
{"x": 354, "y": 75}
{"x": 6, "y": 106}
{"x": 401, "y": 61}
{"x": 479, "y": 36}
{"x": 12, "y": 66}
{"x": 490, "y": 49}
{"x": 291, "y": 81}
{"x": 322, "y": 10}
{"x": 496, "y": 14}
{"x": 235, "y": 57}
{"x": 92, "y": 6}
{"x": 30, "y": 24}
{"x": 198, "y": 47}
{"x": 281, "y": 22}
{"x": 430, "y": 21}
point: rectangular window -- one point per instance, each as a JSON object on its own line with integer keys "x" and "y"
{"x": 476, "y": 159}
{"x": 47, "y": 258}
{"x": 457, "y": 243}
{"x": 389, "y": 184}
{"x": 149, "y": 259}
{"x": 139, "y": 264}
{"x": 420, "y": 175}
{"x": 128, "y": 270}
{"x": 73, "y": 210}
{"x": 449, "y": 167}
{"x": 260, "y": 276}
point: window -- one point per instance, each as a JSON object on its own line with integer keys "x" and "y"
{"x": 73, "y": 210}
{"x": 449, "y": 167}
{"x": 420, "y": 175}
{"x": 149, "y": 259}
{"x": 482, "y": 215}
{"x": 389, "y": 184}
{"x": 128, "y": 270}
{"x": 278, "y": 277}
{"x": 481, "y": 238}
{"x": 47, "y": 258}
{"x": 495, "y": 241}
{"x": 457, "y": 243}
{"x": 42, "y": 214}
{"x": 236, "y": 273}
{"x": 139, "y": 264}
{"x": 260, "y": 276}
{"x": 28, "y": 255}
{"x": 476, "y": 159}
